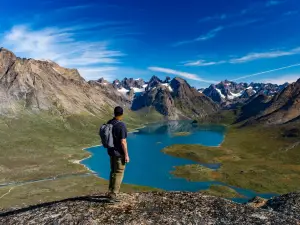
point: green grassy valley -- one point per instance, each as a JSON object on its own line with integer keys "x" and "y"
{"x": 39, "y": 146}
{"x": 263, "y": 159}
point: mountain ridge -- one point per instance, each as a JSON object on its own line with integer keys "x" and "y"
{"x": 228, "y": 93}
{"x": 44, "y": 85}
{"x": 284, "y": 107}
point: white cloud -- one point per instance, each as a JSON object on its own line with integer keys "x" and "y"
{"x": 209, "y": 35}
{"x": 190, "y": 76}
{"x": 61, "y": 46}
{"x": 265, "y": 55}
{"x": 94, "y": 73}
{"x": 282, "y": 79}
{"x": 268, "y": 71}
{"x": 215, "y": 17}
{"x": 75, "y": 7}
{"x": 246, "y": 58}
{"x": 202, "y": 63}
{"x": 213, "y": 33}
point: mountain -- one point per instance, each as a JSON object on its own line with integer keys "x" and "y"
{"x": 127, "y": 84}
{"x": 228, "y": 93}
{"x": 159, "y": 208}
{"x": 43, "y": 85}
{"x": 282, "y": 108}
{"x": 175, "y": 99}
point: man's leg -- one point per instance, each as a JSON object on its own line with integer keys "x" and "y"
{"x": 116, "y": 174}
{"x": 111, "y": 176}
{"x": 119, "y": 174}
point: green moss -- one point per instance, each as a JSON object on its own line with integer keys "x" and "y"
{"x": 197, "y": 153}
{"x": 181, "y": 134}
{"x": 193, "y": 172}
{"x": 222, "y": 191}
{"x": 225, "y": 117}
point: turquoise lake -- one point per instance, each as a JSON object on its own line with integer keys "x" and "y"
{"x": 149, "y": 166}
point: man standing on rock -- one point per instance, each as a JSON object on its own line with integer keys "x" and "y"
{"x": 118, "y": 154}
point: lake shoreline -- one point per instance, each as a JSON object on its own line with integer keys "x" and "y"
{"x": 206, "y": 137}
{"x": 210, "y": 136}
{"x": 79, "y": 161}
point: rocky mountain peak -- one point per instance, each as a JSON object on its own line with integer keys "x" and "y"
{"x": 129, "y": 83}
{"x": 153, "y": 82}
{"x": 44, "y": 85}
{"x": 7, "y": 59}
{"x": 182, "y": 89}
{"x": 175, "y": 99}
{"x": 102, "y": 81}
{"x": 229, "y": 94}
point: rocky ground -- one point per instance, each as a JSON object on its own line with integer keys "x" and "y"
{"x": 158, "y": 208}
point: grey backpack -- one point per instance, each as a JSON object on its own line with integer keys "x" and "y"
{"x": 106, "y": 135}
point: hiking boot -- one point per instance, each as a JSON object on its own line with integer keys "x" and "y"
{"x": 112, "y": 198}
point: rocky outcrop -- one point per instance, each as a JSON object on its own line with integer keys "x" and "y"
{"x": 174, "y": 100}
{"x": 288, "y": 204}
{"x": 157, "y": 208}
{"x": 43, "y": 85}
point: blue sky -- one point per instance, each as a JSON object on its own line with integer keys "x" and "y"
{"x": 202, "y": 41}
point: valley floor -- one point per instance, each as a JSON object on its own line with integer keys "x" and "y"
{"x": 263, "y": 159}
{"x": 42, "y": 146}
{"x": 33, "y": 147}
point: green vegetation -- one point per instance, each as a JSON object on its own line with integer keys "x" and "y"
{"x": 225, "y": 117}
{"x": 222, "y": 191}
{"x": 193, "y": 172}
{"x": 181, "y": 134}
{"x": 257, "y": 158}
{"x": 45, "y": 191}
{"x": 37, "y": 146}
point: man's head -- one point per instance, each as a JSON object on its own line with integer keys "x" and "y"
{"x": 118, "y": 111}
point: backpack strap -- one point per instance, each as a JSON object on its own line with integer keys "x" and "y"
{"x": 115, "y": 123}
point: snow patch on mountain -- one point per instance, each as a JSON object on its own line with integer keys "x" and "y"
{"x": 123, "y": 90}
{"x": 138, "y": 90}
{"x": 168, "y": 86}
{"x": 220, "y": 92}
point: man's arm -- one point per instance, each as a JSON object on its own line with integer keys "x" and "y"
{"x": 124, "y": 146}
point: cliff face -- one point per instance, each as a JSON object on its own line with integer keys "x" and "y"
{"x": 284, "y": 107}
{"x": 175, "y": 100}
{"x": 44, "y": 85}
{"x": 189, "y": 101}
{"x": 158, "y": 208}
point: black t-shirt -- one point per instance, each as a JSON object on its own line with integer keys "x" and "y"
{"x": 119, "y": 132}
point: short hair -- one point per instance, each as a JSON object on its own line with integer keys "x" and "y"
{"x": 118, "y": 111}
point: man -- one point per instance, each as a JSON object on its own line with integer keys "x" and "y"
{"x": 119, "y": 154}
